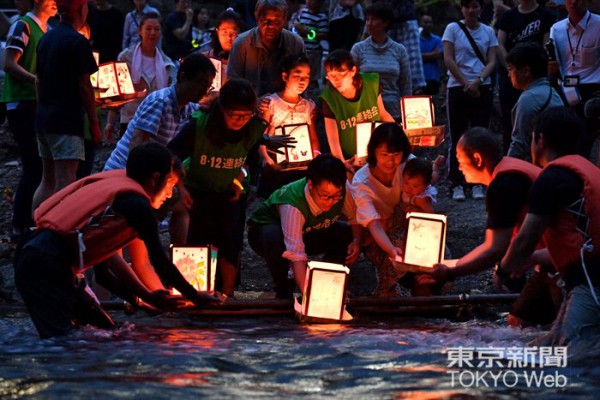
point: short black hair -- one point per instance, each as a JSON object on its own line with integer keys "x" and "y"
{"x": 382, "y": 10}
{"x": 149, "y": 15}
{"x": 237, "y": 94}
{"x": 340, "y": 58}
{"x": 483, "y": 141}
{"x": 227, "y": 15}
{"x": 262, "y": 6}
{"x": 146, "y": 159}
{"x": 465, "y": 3}
{"x": 326, "y": 167}
{"x": 529, "y": 54}
{"x": 419, "y": 167}
{"x": 390, "y": 134}
{"x": 562, "y": 129}
{"x": 194, "y": 64}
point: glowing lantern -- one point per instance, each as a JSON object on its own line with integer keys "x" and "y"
{"x": 425, "y": 241}
{"x": 363, "y": 135}
{"x": 418, "y": 120}
{"x": 299, "y": 156}
{"x": 218, "y": 81}
{"x": 198, "y": 265}
{"x": 113, "y": 80}
{"x": 324, "y": 295}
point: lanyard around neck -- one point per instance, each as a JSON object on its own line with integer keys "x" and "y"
{"x": 573, "y": 54}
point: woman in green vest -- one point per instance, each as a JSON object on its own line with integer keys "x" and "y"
{"x": 301, "y": 219}
{"x": 214, "y": 145}
{"x": 351, "y": 97}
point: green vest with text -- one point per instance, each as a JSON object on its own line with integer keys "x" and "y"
{"x": 293, "y": 195}
{"x": 349, "y": 113}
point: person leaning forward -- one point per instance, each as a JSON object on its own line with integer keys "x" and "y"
{"x": 48, "y": 271}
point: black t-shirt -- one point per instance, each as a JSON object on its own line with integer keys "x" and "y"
{"x": 63, "y": 56}
{"x": 140, "y": 216}
{"x": 506, "y": 196}
{"x": 555, "y": 189}
{"x": 529, "y": 27}
{"x": 106, "y": 27}
{"x": 176, "y": 48}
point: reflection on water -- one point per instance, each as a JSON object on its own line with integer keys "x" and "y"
{"x": 178, "y": 357}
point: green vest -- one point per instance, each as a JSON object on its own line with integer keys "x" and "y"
{"x": 349, "y": 113}
{"x": 14, "y": 89}
{"x": 293, "y": 195}
{"x": 213, "y": 169}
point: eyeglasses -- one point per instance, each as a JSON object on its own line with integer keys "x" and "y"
{"x": 238, "y": 117}
{"x": 335, "y": 75}
{"x": 228, "y": 33}
{"x": 326, "y": 197}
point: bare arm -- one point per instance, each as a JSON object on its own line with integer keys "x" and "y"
{"x": 521, "y": 248}
{"x": 385, "y": 116}
{"x": 87, "y": 97}
{"x": 501, "y": 48}
{"x": 485, "y": 255}
{"x": 333, "y": 138}
{"x": 181, "y": 33}
{"x": 451, "y": 63}
{"x": 13, "y": 68}
{"x": 375, "y": 227}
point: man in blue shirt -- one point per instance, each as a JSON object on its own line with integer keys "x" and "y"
{"x": 431, "y": 52}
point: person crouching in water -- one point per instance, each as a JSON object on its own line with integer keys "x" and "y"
{"x": 49, "y": 268}
{"x": 301, "y": 219}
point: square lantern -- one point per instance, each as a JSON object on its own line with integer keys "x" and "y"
{"x": 325, "y": 292}
{"x": 198, "y": 265}
{"x": 113, "y": 80}
{"x": 425, "y": 240}
{"x": 94, "y": 76}
{"x": 418, "y": 120}
{"x": 299, "y": 156}
{"x": 363, "y": 135}
{"x": 218, "y": 81}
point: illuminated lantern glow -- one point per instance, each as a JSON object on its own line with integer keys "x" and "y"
{"x": 323, "y": 298}
{"x": 425, "y": 241}
{"x": 363, "y": 135}
{"x": 418, "y": 121}
{"x": 299, "y": 156}
{"x": 218, "y": 80}
{"x": 198, "y": 265}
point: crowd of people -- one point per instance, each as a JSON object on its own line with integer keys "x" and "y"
{"x": 194, "y": 151}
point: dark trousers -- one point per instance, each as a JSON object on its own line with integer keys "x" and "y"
{"x": 465, "y": 112}
{"x": 56, "y": 301}
{"x": 267, "y": 241}
{"x": 21, "y": 124}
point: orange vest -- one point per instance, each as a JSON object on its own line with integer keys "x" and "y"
{"x": 562, "y": 237}
{"x": 516, "y": 165}
{"x": 82, "y": 214}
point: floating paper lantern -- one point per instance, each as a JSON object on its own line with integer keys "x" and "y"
{"x": 299, "y": 156}
{"x": 418, "y": 121}
{"x": 325, "y": 291}
{"x": 425, "y": 240}
{"x": 363, "y": 135}
{"x": 198, "y": 265}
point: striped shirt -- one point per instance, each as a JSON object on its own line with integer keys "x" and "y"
{"x": 158, "y": 115}
{"x": 292, "y": 223}
{"x": 318, "y": 22}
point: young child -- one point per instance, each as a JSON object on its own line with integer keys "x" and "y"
{"x": 417, "y": 192}
{"x": 287, "y": 107}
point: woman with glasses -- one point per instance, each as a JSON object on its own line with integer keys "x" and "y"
{"x": 350, "y": 97}
{"x": 301, "y": 220}
{"x": 150, "y": 70}
{"x": 377, "y": 192}
{"x": 214, "y": 145}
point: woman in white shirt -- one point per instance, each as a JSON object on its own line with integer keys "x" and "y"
{"x": 470, "y": 92}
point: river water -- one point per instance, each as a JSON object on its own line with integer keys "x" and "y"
{"x": 171, "y": 356}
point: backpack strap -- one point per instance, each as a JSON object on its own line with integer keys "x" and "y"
{"x": 472, "y": 41}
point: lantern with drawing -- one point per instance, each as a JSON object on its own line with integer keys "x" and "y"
{"x": 323, "y": 299}
{"x": 198, "y": 265}
{"x": 425, "y": 241}
{"x": 299, "y": 156}
{"x": 418, "y": 121}
{"x": 112, "y": 84}
{"x": 363, "y": 135}
{"x": 218, "y": 80}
